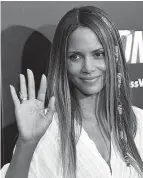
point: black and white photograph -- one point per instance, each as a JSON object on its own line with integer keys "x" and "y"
{"x": 71, "y": 89}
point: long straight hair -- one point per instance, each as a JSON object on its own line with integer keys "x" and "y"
{"x": 67, "y": 106}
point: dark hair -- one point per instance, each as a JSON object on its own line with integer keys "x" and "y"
{"x": 108, "y": 99}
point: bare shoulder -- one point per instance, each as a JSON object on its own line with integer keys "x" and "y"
{"x": 139, "y": 113}
{"x": 139, "y": 134}
{"x": 139, "y": 116}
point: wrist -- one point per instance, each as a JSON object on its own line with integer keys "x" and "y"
{"x": 25, "y": 143}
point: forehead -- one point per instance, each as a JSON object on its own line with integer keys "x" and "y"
{"x": 83, "y": 39}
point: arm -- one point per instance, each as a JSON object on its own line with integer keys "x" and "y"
{"x": 20, "y": 163}
{"x": 32, "y": 122}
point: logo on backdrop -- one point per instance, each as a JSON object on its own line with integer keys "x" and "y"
{"x": 137, "y": 83}
{"x": 133, "y": 45}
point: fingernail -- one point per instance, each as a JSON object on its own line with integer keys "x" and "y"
{"x": 44, "y": 75}
{"x": 21, "y": 75}
{"x": 28, "y": 70}
{"x": 11, "y": 87}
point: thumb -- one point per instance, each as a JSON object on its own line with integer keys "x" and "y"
{"x": 51, "y": 108}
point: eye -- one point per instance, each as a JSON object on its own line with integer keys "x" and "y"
{"x": 99, "y": 54}
{"x": 74, "y": 57}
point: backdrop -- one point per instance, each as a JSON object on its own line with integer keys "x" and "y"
{"x": 27, "y": 33}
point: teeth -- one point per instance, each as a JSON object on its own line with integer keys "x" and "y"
{"x": 90, "y": 81}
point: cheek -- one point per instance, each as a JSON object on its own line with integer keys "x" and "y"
{"x": 74, "y": 68}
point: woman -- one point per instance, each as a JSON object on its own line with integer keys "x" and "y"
{"x": 89, "y": 128}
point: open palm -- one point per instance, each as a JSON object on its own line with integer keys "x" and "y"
{"x": 31, "y": 118}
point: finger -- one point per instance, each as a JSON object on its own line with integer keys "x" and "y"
{"x": 51, "y": 107}
{"x": 23, "y": 88}
{"x": 31, "y": 84}
{"x": 42, "y": 90}
{"x": 14, "y": 96}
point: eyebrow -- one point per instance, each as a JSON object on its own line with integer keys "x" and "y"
{"x": 96, "y": 50}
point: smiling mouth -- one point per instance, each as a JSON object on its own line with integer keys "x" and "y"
{"x": 90, "y": 80}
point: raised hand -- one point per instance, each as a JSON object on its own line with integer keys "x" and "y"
{"x": 32, "y": 120}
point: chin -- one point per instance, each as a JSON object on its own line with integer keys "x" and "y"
{"x": 87, "y": 91}
{"x": 93, "y": 91}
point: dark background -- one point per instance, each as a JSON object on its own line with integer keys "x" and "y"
{"x": 27, "y": 33}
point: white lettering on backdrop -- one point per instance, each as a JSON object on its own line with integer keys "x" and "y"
{"x": 133, "y": 45}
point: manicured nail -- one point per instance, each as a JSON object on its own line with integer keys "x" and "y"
{"x": 21, "y": 75}
{"x": 11, "y": 87}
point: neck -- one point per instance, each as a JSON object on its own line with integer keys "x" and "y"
{"x": 87, "y": 104}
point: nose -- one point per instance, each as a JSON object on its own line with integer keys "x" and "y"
{"x": 88, "y": 66}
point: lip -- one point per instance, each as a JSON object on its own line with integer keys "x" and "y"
{"x": 90, "y": 79}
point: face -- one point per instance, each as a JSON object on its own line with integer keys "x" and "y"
{"x": 86, "y": 61}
